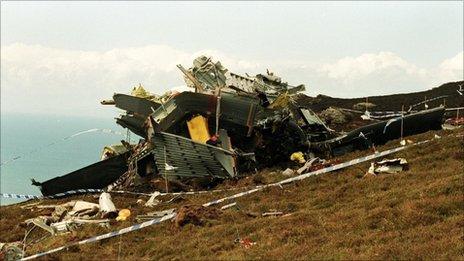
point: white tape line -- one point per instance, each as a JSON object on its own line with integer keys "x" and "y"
{"x": 202, "y": 191}
{"x": 108, "y": 235}
{"x": 314, "y": 173}
{"x": 257, "y": 188}
{"x": 81, "y": 191}
{"x": 67, "y": 193}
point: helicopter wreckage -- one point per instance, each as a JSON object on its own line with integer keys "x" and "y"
{"x": 225, "y": 126}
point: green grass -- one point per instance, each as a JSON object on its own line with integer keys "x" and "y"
{"x": 415, "y": 214}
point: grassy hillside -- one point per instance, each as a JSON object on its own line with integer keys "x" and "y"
{"x": 415, "y": 214}
{"x": 389, "y": 102}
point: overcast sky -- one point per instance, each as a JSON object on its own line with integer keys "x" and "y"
{"x": 64, "y": 57}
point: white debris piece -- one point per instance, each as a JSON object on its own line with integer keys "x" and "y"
{"x": 61, "y": 227}
{"x": 309, "y": 164}
{"x": 387, "y": 166}
{"x": 81, "y": 208}
{"x": 371, "y": 171}
{"x": 152, "y": 201}
{"x": 71, "y": 224}
{"x": 366, "y": 116}
{"x": 107, "y": 206}
{"x": 274, "y": 213}
{"x": 391, "y": 166}
{"x": 168, "y": 167}
{"x": 288, "y": 172}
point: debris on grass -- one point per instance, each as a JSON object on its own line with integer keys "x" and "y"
{"x": 288, "y": 172}
{"x": 245, "y": 242}
{"x": 107, "y": 207}
{"x": 155, "y": 214}
{"x": 11, "y": 251}
{"x": 153, "y": 201}
{"x": 390, "y": 166}
{"x": 123, "y": 214}
{"x": 196, "y": 215}
{"x": 273, "y": 213}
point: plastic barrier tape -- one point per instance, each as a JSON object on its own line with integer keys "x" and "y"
{"x": 82, "y": 191}
{"x": 314, "y": 173}
{"x": 256, "y": 189}
{"x": 108, "y": 235}
{"x": 59, "y": 195}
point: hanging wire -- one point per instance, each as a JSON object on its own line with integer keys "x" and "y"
{"x": 37, "y": 149}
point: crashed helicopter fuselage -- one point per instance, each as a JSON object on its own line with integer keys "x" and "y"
{"x": 228, "y": 125}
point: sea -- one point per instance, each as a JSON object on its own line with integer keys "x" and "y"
{"x": 46, "y": 146}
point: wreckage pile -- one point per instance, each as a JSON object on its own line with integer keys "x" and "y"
{"x": 70, "y": 222}
{"x": 225, "y": 126}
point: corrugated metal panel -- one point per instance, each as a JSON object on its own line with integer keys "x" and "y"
{"x": 189, "y": 158}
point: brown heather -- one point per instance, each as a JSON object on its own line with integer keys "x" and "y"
{"x": 416, "y": 214}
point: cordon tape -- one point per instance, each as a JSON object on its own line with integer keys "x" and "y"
{"x": 83, "y": 191}
{"x": 215, "y": 202}
{"x": 104, "y": 236}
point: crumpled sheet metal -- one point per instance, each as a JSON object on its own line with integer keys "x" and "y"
{"x": 235, "y": 110}
{"x": 191, "y": 159}
{"x": 381, "y": 132}
{"x": 391, "y": 165}
{"x": 95, "y": 176}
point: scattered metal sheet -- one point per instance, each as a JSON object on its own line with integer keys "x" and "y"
{"x": 191, "y": 159}
{"x": 41, "y": 223}
{"x": 381, "y": 132}
{"x": 391, "y": 165}
{"x": 94, "y": 176}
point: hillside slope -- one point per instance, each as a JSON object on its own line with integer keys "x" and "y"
{"x": 418, "y": 213}
{"x": 389, "y": 102}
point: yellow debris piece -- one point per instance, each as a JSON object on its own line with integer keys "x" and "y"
{"x": 140, "y": 92}
{"x": 123, "y": 214}
{"x": 198, "y": 129}
{"x": 298, "y": 156}
{"x": 280, "y": 102}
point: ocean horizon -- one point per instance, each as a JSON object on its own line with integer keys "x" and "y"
{"x": 44, "y": 146}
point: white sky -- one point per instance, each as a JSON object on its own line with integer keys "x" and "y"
{"x": 64, "y": 57}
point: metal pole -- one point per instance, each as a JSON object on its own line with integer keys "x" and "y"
{"x": 165, "y": 170}
{"x": 218, "y": 111}
{"x": 164, "y": 109}
{"x": 128, "y": 136}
